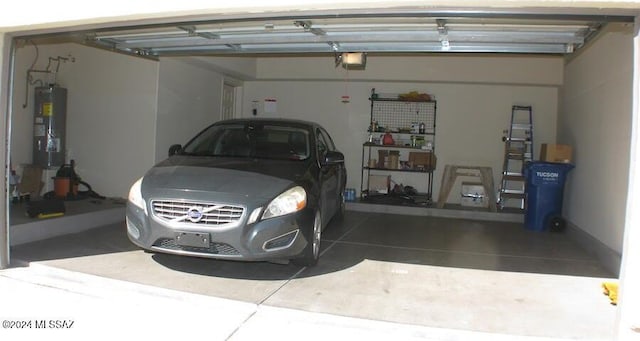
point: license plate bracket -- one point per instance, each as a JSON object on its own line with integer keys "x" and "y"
{"x": 192, "y": 239}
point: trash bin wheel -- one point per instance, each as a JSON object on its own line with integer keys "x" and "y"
{"x": 557, "y": 224}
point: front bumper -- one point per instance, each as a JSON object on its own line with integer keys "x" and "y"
{"x": 281, "y": 237}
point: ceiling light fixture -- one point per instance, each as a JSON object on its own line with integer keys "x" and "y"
{"x": 353, "y": 60}
{"x": 350, "y": 58}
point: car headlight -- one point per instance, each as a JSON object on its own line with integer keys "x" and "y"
{"x": 135, "y": 195}
{"x": 292, "y": 200}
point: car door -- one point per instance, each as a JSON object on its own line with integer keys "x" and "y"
{"x": 329, "y": 177}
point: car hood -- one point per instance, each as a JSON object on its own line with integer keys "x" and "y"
{"x": 257, "y": 178}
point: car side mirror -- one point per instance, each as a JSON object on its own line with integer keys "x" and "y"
{"x": 175, "y": 149}
{"x": 333, "y": 157}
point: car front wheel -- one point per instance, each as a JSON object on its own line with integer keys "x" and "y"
{"x": 311, "y": 252}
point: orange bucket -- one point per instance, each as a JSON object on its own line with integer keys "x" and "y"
{"x": 63, "y": 186}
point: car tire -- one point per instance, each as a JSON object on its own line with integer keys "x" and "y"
{"x": 311, "y": 252}
{"x": 557, "y": 224}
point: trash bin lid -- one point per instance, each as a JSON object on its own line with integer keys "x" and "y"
{"x": 547, "y": 173}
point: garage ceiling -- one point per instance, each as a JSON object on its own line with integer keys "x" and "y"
{"x": 387, "y": 32}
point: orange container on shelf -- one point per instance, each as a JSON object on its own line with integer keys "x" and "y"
{"x": 387, "y": 139}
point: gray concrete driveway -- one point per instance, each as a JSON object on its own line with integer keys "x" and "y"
{"x": 422, "y": 271}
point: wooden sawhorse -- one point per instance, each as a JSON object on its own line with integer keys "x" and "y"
{"x": 451, "y": 173}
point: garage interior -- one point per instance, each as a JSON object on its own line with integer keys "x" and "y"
{"x": 134, "y": 91}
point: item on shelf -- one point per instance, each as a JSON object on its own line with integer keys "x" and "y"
{"x": 422, "y": 160}
{"x": 421, "y": 128}
{"x": 383, "y": 155}
{"x": 387, "y": 139}
{"x": 398, "y": 189}
{"x": 414, "y": 96}
{"x": 410, "y": 190}
{"x": 394, "y": 159}
{"x": 415, "y": 127}
{"x": 374, "y": 126}
{"x": 379, "y": 184}
{"x": 429, "y": 145}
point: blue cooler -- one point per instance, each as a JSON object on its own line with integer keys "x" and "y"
{"x": 544, "y": 190}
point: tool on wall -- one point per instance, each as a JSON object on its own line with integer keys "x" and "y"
{"x": 518, "y": 150}
{"x": 53, "y": 66}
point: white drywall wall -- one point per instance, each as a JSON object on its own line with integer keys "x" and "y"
{"x": 239, "y": 67}
{"x": 595, "y": 118}
{"x": 471, "y": 115}
{"x": 450, "y": 68}
{"x": 189, "y": 99}
{"x": 111, "y": 109}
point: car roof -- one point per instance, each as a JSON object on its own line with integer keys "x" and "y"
{"x": 274, "y": 121}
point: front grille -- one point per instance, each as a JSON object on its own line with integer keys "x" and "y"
{"x": 213, "y": 249}
{"x": 207, "y": 213}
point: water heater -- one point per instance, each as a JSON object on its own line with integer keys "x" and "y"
{"x": 49, "y": 126}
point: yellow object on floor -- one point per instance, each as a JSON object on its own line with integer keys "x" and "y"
{"x": 611, "y": 290}
{"x": 49, "y": 215}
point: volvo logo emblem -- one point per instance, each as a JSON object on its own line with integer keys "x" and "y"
{"x": 195, "y": 214}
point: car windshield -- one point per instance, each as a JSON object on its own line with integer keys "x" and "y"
{"x": 251, "y": 140}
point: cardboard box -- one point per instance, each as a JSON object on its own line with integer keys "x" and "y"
{"x": 422, "y": 160}
{"x": 31, "y": 181}
{"x": 556, "y": 153}
{"x": 473, "y": 195}
{"x": 394, "y": 159}
{"x": 383, "y": 155}
{"x": 379, "y": 184}
{"x": 389, "y": 159}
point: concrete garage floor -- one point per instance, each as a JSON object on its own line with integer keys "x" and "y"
{"x": 425, "y": 271}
